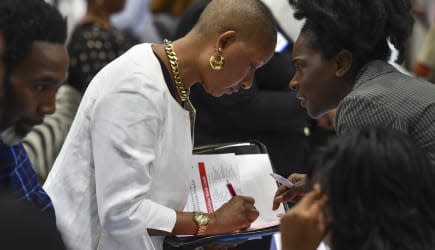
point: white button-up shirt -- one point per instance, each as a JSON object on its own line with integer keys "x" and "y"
{"x": 124, "y": 163}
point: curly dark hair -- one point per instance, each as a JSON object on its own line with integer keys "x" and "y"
{"x": 361, "y": 27}
{"x": 381, "y": 191}
{"x": 23, "y": 22}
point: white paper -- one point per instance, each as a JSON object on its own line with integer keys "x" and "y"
{"x": 256, "y": 181}
{"x": 220, "y": 169}
{"x": 249, "y": 175}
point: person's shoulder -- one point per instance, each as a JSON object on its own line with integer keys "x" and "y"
{"x": 398, "y": 86}
{"x": 138, "y": 51}
{"x": 135, "y": 60}
{"x": 142, "y": 62}
{"x": 392, "y": 96}
{"x": 137, "y": 70}
{"x": 383, "y": 81}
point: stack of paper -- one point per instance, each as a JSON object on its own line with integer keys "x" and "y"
{"x": 248, "y": 173}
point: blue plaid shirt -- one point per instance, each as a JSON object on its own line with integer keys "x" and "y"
{"x": 18, "y": 177}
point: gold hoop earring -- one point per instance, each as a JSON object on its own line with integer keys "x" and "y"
{"x": 217, "y": 62}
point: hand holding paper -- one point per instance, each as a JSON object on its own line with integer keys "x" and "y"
{"x": 297, "y": 189}
{"x": 249, "y": 177}
{"x": 281, "y": 180}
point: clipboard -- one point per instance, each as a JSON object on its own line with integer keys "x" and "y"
{"x": 237, "y": 148}
{"x": 195, "y": 241}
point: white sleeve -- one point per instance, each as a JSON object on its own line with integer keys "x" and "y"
{"x": 124, "y": 133}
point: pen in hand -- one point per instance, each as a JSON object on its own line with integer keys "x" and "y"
{"x": 231, "y": 189}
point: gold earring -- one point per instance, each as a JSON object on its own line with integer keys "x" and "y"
{"x": 217, "y": 63}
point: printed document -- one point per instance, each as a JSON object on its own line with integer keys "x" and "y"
{"x": 248, "y": 173}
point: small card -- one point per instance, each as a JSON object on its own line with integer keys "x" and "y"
{"x": 281, "y": 180}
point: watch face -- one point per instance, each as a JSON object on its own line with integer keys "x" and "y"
{"x": 202, "y": 219}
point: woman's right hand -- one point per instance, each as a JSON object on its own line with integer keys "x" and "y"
{"x": 284, "y": 194}
{"x": 237, "y": 214}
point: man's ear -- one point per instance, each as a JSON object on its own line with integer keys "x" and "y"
{"x": 344, "y": 61}
{"x": 226, "y": 39}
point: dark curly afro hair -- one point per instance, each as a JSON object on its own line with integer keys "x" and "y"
{"x": 360, "y": 26}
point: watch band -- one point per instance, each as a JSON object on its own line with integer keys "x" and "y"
{"x": 201, "y": 230}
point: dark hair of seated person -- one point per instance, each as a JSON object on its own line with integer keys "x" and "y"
{"x": 24, "y": 227}
{"x": 381, "y": 191}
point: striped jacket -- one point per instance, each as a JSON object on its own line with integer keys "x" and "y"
{"x": 383, "y": 97}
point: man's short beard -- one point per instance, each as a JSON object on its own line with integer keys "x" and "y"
{"x": 10, "y": 136}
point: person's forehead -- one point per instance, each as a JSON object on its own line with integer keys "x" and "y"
{"x": 47, "y": 49}
{"x": 46, "y": 54}
{"x": 259, "y": 55}
{"x": 304, "y": 47}
{"x": 45, "y": 62}
{"x": 302, "y": 42}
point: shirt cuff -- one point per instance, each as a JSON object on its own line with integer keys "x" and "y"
{"x": 164, "y": 219}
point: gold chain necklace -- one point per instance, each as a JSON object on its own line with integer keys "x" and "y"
{"x": 182, "y": 92}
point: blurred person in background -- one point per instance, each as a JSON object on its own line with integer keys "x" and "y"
{"x": 137, "y": 18}
{"x": 425, "y": 64}
{"x": 166, "y": 14}
{"x": 425, "y": 60}
{"x": 95, "y": 42}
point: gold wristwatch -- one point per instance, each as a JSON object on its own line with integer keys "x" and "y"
{"x": 201, "y": 219}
